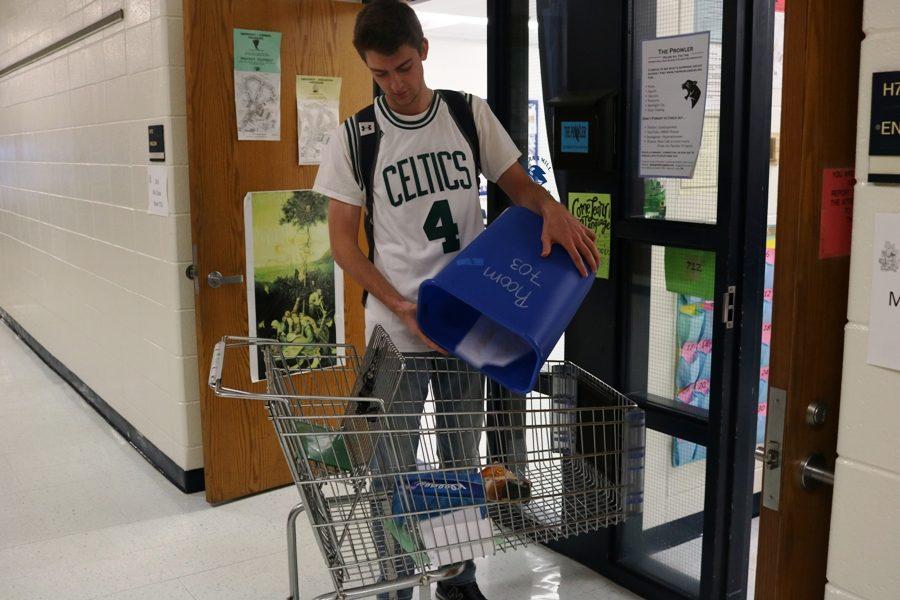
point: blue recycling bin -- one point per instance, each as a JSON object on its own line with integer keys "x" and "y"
{"x": 499, "y": 305}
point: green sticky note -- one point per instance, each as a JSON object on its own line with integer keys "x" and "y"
{"x": 595, "y": 212}
{"x": 691, "y": 272}
{"x": 654, "y": 199}
{"x": 257, "y": 51}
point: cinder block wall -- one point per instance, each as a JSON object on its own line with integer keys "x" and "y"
{"x": 84, "y": 268}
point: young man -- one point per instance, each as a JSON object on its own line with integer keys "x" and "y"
{"x": 423, "y": 208}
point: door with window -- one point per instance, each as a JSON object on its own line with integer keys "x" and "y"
{"x": 240, "y": 450}
{"x": 678, "y": 322}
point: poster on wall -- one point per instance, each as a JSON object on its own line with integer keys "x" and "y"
{"x": 257, "y": 84}
{"x": 295, "y": 291}
{"x": 884, "y": 308}
{"x": 693, "y": 371}
{"x": 595, "y": 212}
{"x": 674, "y": 74}
{"x": 762, "y": 402}
{"x": 318, "y": 103}
{"x": 836, "y": 217}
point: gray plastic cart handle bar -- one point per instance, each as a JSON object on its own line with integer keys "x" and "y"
{"x": 229, "y": 341}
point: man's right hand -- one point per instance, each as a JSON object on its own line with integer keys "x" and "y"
{"x": 407, "y": 313}
{"x": 343, "y": 230}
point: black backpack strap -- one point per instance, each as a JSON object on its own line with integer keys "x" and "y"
{"x": 365, "y": 136}
{"x": 460, "y": 107}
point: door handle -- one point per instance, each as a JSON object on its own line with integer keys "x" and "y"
{"x": 216, "y": 279}
{"x": 813, "y": 470}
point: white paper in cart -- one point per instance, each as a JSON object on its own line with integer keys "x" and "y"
{"x": 456, "y": 536}
{"x": 489, "y": 344}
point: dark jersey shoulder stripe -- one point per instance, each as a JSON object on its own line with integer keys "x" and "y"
{"x": 351, "y": 144}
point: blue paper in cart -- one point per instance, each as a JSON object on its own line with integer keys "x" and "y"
{"x": 450, "y": 511}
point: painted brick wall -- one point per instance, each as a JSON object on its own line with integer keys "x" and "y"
{"x": 864, "y": 547}
{"x": 83, "y": 267}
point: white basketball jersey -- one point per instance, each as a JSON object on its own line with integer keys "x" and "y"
{"x": 425, "y": 194}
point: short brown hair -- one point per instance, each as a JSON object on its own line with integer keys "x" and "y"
{"x": 384, "y": 26}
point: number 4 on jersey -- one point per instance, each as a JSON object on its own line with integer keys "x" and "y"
{"x": 440, "y": 226}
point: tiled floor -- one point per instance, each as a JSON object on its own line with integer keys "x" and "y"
{"x": 83, "y": 516}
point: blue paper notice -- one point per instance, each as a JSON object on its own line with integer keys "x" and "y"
{"x": 574, "y": 136}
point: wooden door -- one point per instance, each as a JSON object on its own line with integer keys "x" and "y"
{"x": 818, "y": 129}
{"x": 241, "y": 453}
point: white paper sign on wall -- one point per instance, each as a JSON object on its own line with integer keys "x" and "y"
{"x": 884, "y": 312}
{"x": 674, "y": 74}
{"x": 158, "y": 183}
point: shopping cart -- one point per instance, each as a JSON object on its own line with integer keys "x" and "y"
{"x": 394, "y": 502}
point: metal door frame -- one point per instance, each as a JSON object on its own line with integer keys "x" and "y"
{"x": 728, "y": 430}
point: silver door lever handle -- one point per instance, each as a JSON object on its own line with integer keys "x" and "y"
{"x": 216, "y": 279}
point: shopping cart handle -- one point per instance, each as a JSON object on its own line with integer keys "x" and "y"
{"x": 231, "y": 342}
{"x": 215, "y": 365}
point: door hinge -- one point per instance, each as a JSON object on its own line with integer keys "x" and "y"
{"x": 728, "y": 306}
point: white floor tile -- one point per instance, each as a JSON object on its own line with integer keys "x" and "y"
{"x": 168, "y": 590}
{"x": 263, "y": 577}
{"x": 539, "y": 573}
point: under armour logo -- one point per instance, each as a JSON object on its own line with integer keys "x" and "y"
{"x": 366, "y": 128}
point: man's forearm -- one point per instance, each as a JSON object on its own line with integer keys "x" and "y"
{"x": 524, "y": 192}
{"x": 355, "y": 263}
{"x": 534, "y": 198}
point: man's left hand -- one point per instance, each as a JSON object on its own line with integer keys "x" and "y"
{"x": 561, "y": 227}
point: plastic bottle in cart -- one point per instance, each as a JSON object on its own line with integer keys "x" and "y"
{"x": 563, "y": 399}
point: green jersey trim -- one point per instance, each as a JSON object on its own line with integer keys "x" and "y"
{"x": 396, "y": 121}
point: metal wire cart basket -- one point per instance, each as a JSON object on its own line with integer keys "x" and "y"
{"x": 409, "y": 465}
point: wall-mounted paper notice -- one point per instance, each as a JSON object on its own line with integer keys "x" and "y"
{"x": 884, "y": 311}
{"x": 257, "y": 84}
{"x": 673, "y": 103}
{"x": 318, "y": 102}
{"x": 158, "y": 197}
